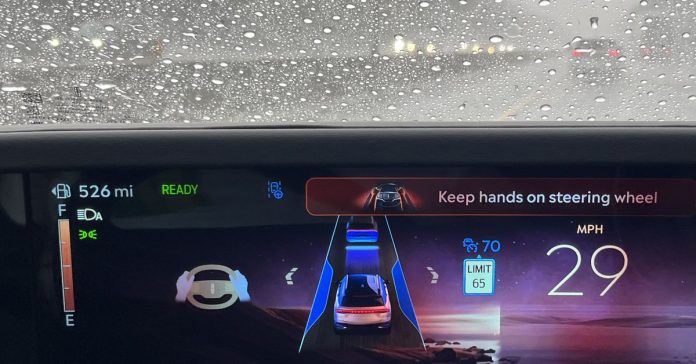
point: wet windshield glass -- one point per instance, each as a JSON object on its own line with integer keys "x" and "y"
{"x": 346, "y": 61}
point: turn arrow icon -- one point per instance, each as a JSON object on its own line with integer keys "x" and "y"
{"x": 434, "y": 273}
{"x": 288, "y": 277}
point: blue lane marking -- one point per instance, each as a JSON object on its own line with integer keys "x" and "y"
{"x": 362, "y": 236}
{"x": 362, "y": 247}
{"x": 404, "y": 297}
{"x": 362, "y": 259}
{"x": 321, "y": 297}
{"x": 402, "y": 293}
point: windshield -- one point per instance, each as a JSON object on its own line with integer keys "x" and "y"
{"x": 362, "y": 291}
{"x": 177, "y": 61}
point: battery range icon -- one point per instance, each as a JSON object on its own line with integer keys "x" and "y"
{"x": 66, "y": 268}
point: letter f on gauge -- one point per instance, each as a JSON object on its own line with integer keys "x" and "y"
{"x": 61, "y": 209}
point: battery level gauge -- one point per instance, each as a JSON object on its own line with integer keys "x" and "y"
{"x": 66, "y": 271}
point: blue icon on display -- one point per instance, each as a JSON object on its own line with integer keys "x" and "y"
{"x": 275, "y": 190}
{"x": 470, "y": 245}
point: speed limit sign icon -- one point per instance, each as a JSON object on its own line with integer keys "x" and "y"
{"x": 479, "y": 277}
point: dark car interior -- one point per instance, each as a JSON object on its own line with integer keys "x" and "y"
{"x": 348, "y": 181}
{"x": 224, "y": 244}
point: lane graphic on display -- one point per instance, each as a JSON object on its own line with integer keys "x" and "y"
{"x": 362, "y": 299}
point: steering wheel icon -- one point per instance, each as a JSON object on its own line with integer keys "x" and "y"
{"x": 212, "y": 289}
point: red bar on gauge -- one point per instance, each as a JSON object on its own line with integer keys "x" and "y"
{"x": 66, "y": 269}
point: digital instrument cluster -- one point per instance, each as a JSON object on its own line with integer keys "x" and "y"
{"x": 362, "y": 266}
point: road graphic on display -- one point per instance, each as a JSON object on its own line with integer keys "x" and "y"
{"x": 319, "y": 333}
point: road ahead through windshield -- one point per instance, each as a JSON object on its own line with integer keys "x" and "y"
{"x": 347, "y": 61}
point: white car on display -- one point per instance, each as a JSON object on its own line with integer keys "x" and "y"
{"x": 362, "y": 303}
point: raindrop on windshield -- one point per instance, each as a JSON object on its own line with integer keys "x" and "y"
{"x": 600, "y": 99}
{"x": 249, "y": 35}
{"x": 594, "y": 22}
{"x": 545, "y": 107}
{"x": 544, "y": 2}
{"x": 424, "y": 4}
{"x": 11, "y": 87}
{"x": 105, "y": 84}
{"x": 495, "y": 39}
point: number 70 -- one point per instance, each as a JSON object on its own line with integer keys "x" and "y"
{"x": 614, "y": 277}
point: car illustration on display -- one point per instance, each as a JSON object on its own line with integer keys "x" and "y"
{"x": 388, "y": 197}
{"x": 362, "y": 303}
{"x": 361, "y": 229}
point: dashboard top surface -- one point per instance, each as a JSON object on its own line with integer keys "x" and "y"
{"x": 48, "y": 149}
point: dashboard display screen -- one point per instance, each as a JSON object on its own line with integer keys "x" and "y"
{"x": 363, "y": 266}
